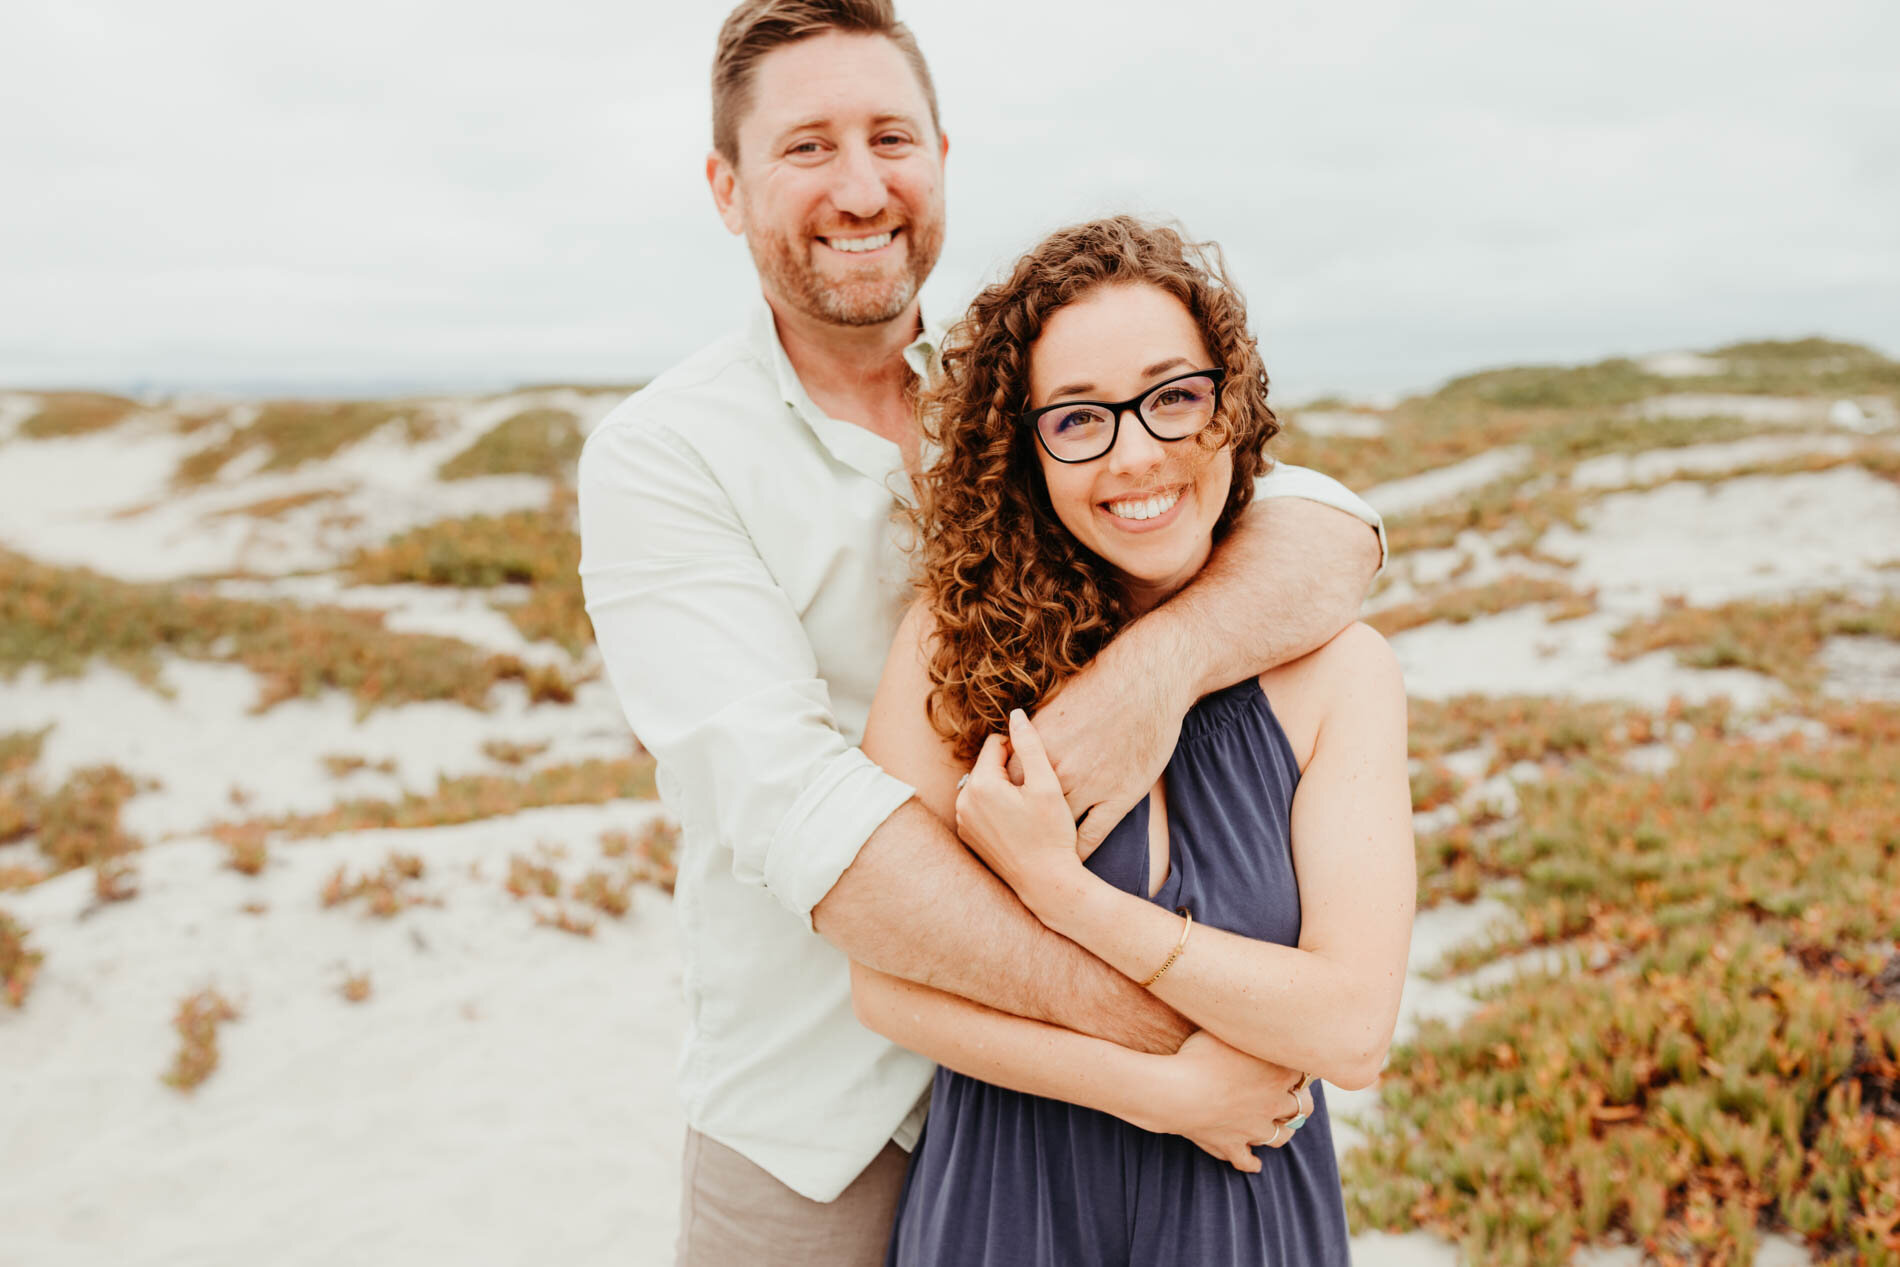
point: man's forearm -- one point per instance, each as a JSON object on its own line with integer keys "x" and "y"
{"x": 1289, "y": 576}
{"x": 916, "y": 904}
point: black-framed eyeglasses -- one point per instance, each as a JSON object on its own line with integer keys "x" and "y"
{"x": 1083, "y": 430}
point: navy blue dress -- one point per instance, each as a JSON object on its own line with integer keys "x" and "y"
{"x": 1002, "y": 1179}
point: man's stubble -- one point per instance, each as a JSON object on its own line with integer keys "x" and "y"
{"x": 785, "y": 265}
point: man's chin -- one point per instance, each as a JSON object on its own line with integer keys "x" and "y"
{"x": 860, "y": 305}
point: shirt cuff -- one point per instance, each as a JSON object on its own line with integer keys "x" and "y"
{"x": 829, "y": 822}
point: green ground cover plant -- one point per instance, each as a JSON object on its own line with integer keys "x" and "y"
{"x": 1568, "y": 413}
{"x": 293, "y": 432}
{"x": 19, "y": 962}
{"x": 1798, "y": 367}
{"x": 198, "y": 1018}
{"x": 463, "y": 799}
{"x": 1463, "y": 604}
{"x": 544, "y": 442}
{"x": 75, "y": 414}
{"x": 385, "y": 892}
{"x": 1719, "y": 1055}
{"x": 1781, "y": 639}
{"x": 277, "y": 507}
{"x": 536, "y": 548}
{"x": 65, "y": 618}
{"x": 75, "y": 825}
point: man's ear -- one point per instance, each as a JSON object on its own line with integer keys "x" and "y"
{"x": 724, "y": 182}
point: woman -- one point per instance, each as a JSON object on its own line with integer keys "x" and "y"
{"x": 1048, "y": 521}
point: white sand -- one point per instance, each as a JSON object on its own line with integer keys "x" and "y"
{"x": 1417, "y": 492}
{"x": 1623, "y": 470}
{"x": 1682, "y": 365}
{"x": 1336, "y": 422}
{"x": 504, "y": 1096}
{"x": 1751, "y": 536}
{"x": 105, "y": 501}
{"x": 1860, "y": 412}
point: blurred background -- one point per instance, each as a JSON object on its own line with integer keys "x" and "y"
{"x": 335, "y": 899}
{"x": 420, "y": 194}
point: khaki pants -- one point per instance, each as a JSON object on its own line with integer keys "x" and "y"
{"x": 735, "y": 1214}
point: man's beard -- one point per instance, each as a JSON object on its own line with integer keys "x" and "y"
{"x": 785, "y": 264}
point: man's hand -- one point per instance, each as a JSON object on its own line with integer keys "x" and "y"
{"x": 1226, "y": 1101}
{"x": 1109, "y": 734}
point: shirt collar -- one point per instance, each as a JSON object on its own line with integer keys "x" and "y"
{"x": 862, "y": 450}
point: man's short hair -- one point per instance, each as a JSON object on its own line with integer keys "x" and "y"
{"x": 757, "y": 27}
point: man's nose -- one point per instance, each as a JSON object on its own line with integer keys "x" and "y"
{"x": 1135, "y": 449}
{"x": 859, "y": 189}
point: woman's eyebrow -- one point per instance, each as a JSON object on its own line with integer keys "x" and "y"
{"x": 1078, "y": 389}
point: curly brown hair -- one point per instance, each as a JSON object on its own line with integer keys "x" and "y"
{"x": 1019, "y": 605}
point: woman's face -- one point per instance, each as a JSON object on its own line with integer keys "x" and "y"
{"x": 1147, "y": 506}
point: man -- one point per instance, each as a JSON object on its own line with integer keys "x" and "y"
{"x": 744, "y": 579}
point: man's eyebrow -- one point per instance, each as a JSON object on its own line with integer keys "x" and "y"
{"x": 1079, "y": 389}
{"x": 819, "y": 122}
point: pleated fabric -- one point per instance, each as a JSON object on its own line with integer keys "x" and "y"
{"x": 1002, "y": 1179}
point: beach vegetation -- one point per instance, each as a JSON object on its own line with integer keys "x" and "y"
{"x": 340, "y": 765}
{"x": 291, "y": 433}
{"x": 197, "y": 1020}
{"x": 536, "y": 548}
{"x": 19, "y": 962}
{"x": 543, "y": 442}
{"x": 1467, "y": 603}
{"x": 385, "y": 892}
{"x": 114, "y": 880}
{"x": 277, "y": 507}
{"x": 533, "y": 877}
{"x": 461, "y": 799}
{"x": 560, "y": 917}
{"x": 64, "y": 618}
{"x": 652, "y": 853}
{"x": 1716, "y": 1051}
{"x": 509, "y": 753}
{"x": 75, "y": 414}
{"x": 355, "y": 987}
{"x": 1782, "y": 639}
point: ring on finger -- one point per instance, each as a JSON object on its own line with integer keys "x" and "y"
{"x": 1274, "y": 1140}
{"x": 1297, "y": 1123}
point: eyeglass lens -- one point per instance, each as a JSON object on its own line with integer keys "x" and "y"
{"x": 1172, "y": 411}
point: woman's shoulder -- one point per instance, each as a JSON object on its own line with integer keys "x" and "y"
{"x": 1355, "y": 668}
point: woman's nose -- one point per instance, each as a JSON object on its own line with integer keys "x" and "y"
{"x": 1135, "y": 449}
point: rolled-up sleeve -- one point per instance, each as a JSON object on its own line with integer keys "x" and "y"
{"x": 1309, "y": 485}
{"x": 715, "y": 671}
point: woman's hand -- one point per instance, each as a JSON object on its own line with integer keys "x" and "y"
{"x": 1023, "y": 832}
{"x": 1226, "y": 1101}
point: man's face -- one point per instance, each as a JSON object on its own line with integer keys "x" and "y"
{"x": 839, "y": 185}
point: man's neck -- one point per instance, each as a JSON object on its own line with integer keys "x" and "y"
{"x": 856, "y": 374}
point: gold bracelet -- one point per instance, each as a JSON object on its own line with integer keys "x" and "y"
{"x": 1176, "y": 952}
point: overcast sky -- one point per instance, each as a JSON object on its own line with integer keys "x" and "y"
{"x": 472, "y": 193}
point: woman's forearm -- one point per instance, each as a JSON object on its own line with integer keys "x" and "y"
{"x": 1010, "y": 1051}
{"x": 1291, "y": 1006}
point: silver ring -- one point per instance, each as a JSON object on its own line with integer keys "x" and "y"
{"x": 1275, "y": 1139}
{"x": 1297, "y": 1123}
{"x": 962, "y": 781}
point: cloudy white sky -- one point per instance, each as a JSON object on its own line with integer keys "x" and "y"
{"x": 470, "y": 193}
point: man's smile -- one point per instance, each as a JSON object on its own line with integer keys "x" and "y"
{"x": 861, "y": 244}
